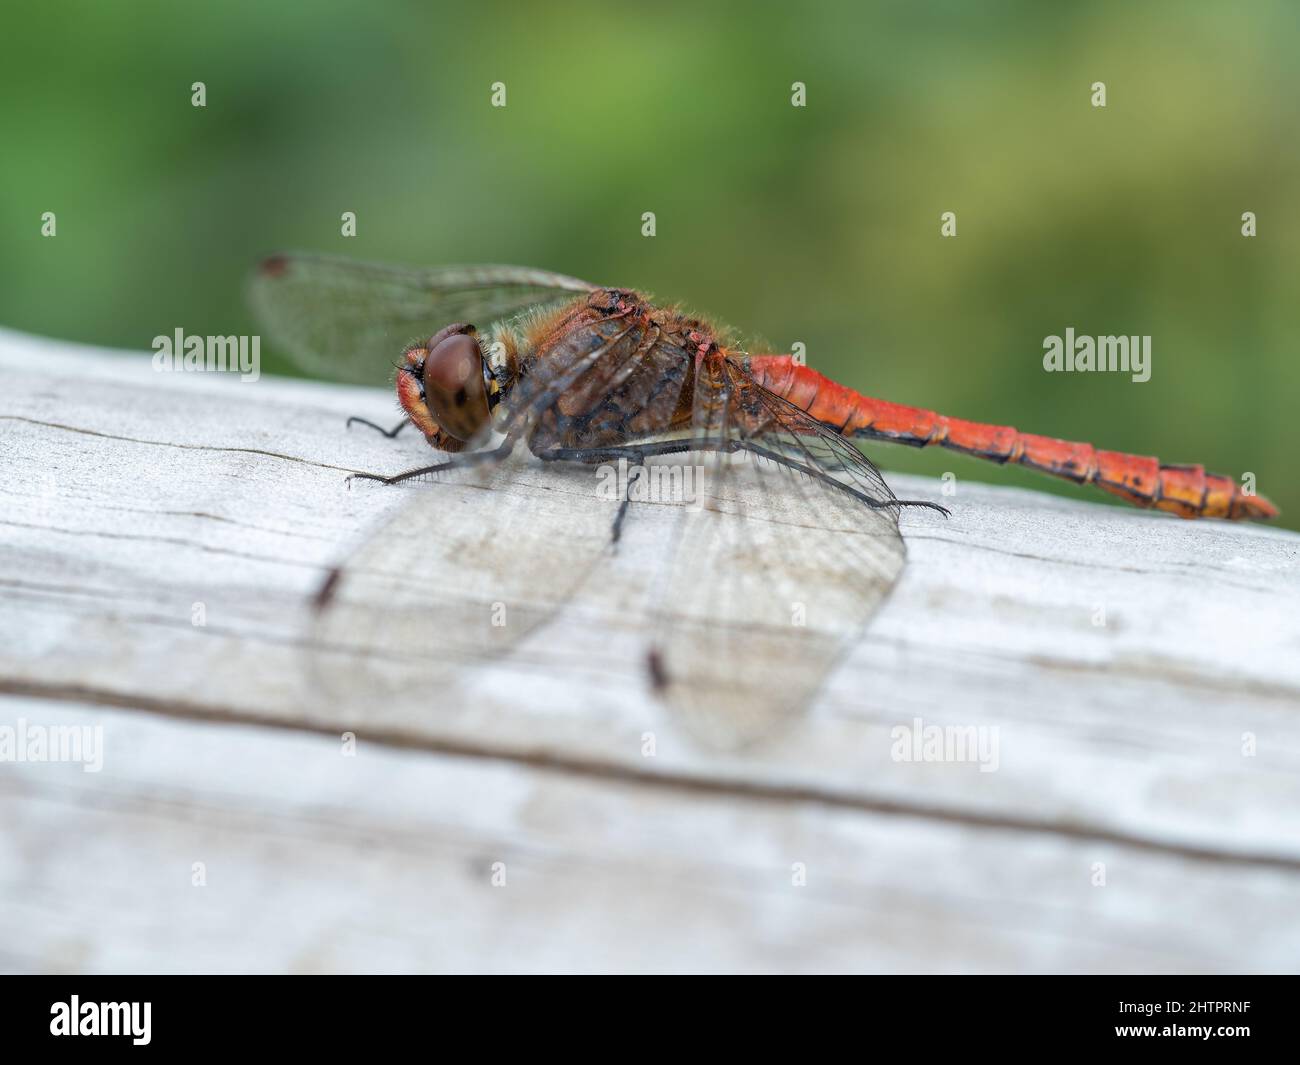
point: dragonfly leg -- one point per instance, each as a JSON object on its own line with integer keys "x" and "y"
{"x": 640, "y": 452}
{"x": 592, "y": 455}
{"x": 631, "y": 452}
{"x": 811, "y": 471}
{"x": 617, "y": 530}
{"x": 390, "y": 433}
{"x": 636, "y": 452}
{"x": 457, "y": 462}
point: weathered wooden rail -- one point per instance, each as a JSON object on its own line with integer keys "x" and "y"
{"x": 161, "y": 536}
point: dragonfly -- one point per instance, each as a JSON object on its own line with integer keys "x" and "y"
{"x": 760, "y": 586}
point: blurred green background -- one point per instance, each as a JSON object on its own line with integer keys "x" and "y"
{"x": 816, "y": 224}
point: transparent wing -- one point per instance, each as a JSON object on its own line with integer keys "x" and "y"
{"x": 475, "y": 560}
{"x": 348, "y": 321}
{"x": 775, "y": 569}
{"x": 465, "y": 569}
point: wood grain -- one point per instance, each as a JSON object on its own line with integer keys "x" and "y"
{"x": 1163, "y": 743}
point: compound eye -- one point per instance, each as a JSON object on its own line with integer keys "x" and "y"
{"x": 453, "y": 386}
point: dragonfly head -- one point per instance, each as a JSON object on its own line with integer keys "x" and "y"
{"x": 444, "y": 385}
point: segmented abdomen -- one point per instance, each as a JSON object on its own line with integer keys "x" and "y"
{"x": 1139, "y": 479}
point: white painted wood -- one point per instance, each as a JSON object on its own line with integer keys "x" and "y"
{"x": 130, "y": 496}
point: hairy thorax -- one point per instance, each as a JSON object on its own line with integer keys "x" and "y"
{"x": 606, "y": 369}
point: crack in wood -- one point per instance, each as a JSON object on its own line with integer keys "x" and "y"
{"x": 730, "y": 787}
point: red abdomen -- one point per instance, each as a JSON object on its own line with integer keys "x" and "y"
{"x": 1141, "y": 480}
